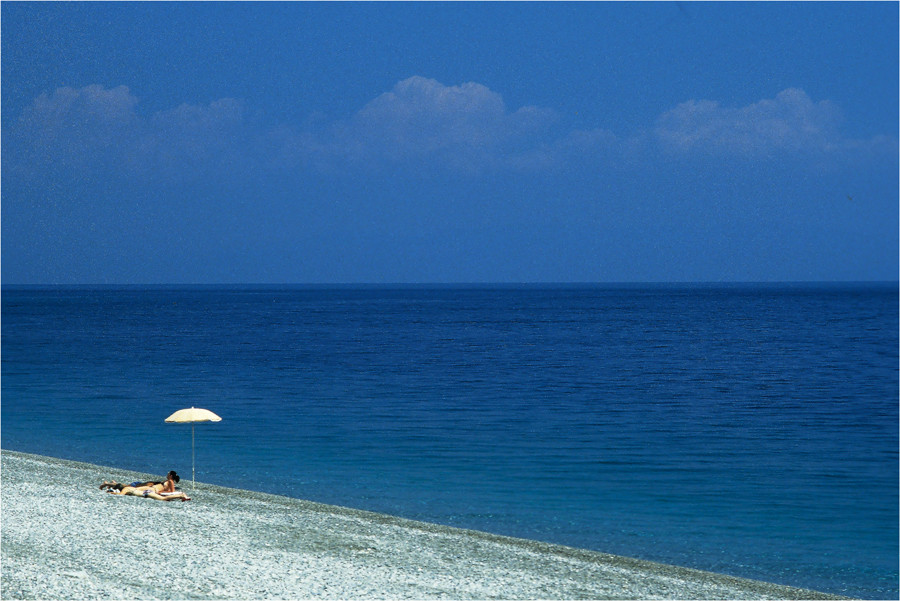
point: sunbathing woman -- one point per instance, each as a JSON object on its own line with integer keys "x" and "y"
{"x": 154, "y": 490}
{"x": 156, "y": 486}
{"x": 113, "y": 485}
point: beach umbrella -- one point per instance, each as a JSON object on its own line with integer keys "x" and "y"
{"x": 192, "y": 416}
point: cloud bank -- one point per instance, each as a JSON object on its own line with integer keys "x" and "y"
{"x": 790, "y": 122}
{"x": 421, "y": 117}
{"x": 419, "y": 123}
{"x": 98, "y": 129}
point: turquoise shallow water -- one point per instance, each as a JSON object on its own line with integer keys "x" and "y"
{"x": 750, "y": 430}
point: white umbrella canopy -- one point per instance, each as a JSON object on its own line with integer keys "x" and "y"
{"x": 184, "y": 416}
{"x": 192, "y": 416}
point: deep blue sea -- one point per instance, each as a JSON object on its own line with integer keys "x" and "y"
{"x": 744, "y": 429}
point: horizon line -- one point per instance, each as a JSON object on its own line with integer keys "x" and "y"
{"x": 483, "y": 284}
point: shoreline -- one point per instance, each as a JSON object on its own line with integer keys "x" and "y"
{"x": 64, "y": 539}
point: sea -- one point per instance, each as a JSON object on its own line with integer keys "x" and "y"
{"x": 747, "y": 429}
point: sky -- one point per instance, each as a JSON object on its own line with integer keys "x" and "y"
{"x": 461, "y": 142}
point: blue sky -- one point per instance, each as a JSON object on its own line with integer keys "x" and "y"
{"x": 449, "y": 142}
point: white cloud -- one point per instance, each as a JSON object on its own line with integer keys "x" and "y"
{"x": 78, "y": 123}
{"x": 464, "y": 126}
{"x": 790, "y": 122}
{"x": 91, "y": 103}
{"x": 95, "y": 127}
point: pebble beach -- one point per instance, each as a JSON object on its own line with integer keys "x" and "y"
{"x": 62, "y": 538}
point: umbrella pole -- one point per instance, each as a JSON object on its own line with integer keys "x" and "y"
{"x": 192, "y": 457}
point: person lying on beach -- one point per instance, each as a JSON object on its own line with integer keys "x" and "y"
{"x": 161, "y": 491}
{"x": 113, "y": 485}
{"x": 154, "y": 492}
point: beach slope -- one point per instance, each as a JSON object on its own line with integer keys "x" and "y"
{"x": 64, "y": 539}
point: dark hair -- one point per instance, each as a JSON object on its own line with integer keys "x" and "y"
{"x": 174, "y": 476}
